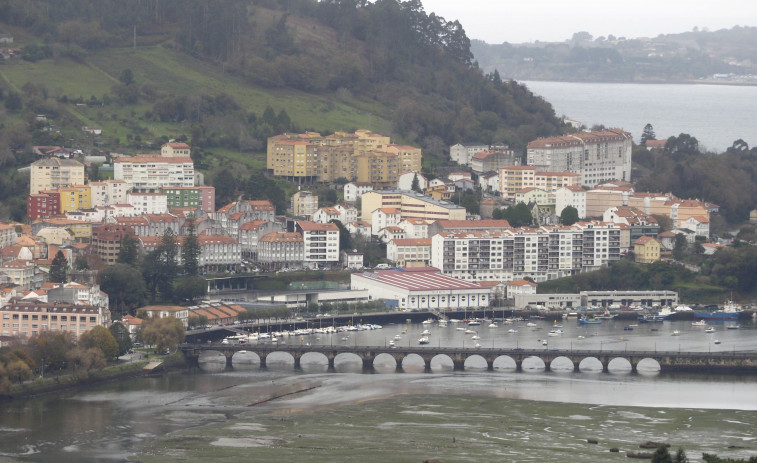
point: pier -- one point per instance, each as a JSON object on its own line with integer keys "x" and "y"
{"x": 690, "y": 362}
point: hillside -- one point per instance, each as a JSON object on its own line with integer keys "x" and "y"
{"x": 724, "y": 56}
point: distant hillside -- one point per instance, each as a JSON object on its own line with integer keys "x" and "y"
{"x": 722, "y": 56}
{"x": 331, "y": 65}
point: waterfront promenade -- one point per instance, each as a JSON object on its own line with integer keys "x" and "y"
{"x": 691, "y": 362}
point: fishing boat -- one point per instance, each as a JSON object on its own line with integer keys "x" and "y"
{"x": 650, "y": 318}
{"x": 730, "y": 311}
{"x": 555, "y": 332}
{"x": 699, "y": 323}
{"x": 589, "y": 321}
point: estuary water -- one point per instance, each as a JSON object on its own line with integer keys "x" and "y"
{"x": 716, "y": 115}
{"x": 313, "y": 415}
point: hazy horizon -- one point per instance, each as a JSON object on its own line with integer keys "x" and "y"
{"x": 495, "y": 21}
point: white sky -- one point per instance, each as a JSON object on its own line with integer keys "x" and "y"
{"x": 517, "y": 21}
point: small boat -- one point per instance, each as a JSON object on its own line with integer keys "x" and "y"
{"x": 676, "y": 333}
{"x": 733, "y": 327}
{"x": 628, "y": 328}
{"x": 493, "y": 325}
{"x": 544, "y": 343}
{"x": 699, "y": 323}
{"x": 589, "y": 321}
{"x": 397, "y": 336}
{"x": 391, "y": 343}
{"x": 460, "y": 328}
{"x": 428, "y": 321}
{"x": 511, "y": 330}
{"x": 709, "y": 329}
{"x": 580, "y": 337}
{"x": 474, "y": 323}
{"x": 475, "y": 337}
{"x": 555, "y": 332}
{"x": 477, "y": 346}
{"x": 470, "y": 331}
{"x": 425, "y": 332}
{"x": 530, "y": 324}
{"x": 423, "y": 340}
{"x": 717, "y": 341}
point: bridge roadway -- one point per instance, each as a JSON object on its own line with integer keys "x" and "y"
{"x": 694, "y": 362}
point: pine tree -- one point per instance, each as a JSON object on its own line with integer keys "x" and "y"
{"x": 59, "y": 268}
{"x": 190, "y": 252}
{"x": 415, "y": 186}
{"x": 647, "y": 134}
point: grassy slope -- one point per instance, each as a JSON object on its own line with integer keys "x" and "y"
{"x": 173, "y": 72}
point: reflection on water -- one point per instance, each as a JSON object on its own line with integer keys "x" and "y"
{"x": 495, "y": 415}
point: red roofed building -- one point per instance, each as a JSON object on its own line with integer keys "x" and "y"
{"x": 520, "y": 287}
{"x": 409, "y": 252}
{"x": 217, "y": 252}
{"x": 278, "y": 250}
{"x": 426, "y": 289}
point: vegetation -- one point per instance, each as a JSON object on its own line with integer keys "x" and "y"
{"x": 58, "y": 268}
{"x": 162, "y": 333}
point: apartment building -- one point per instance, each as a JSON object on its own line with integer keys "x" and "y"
{"x": 250, "y": 234}
{"x": 218, "y": 253}
{"x": 74, "y": 197}
{"x": 344, "y": 214}
{"x": 409, "y": 252}
{"x": 174, "y": 149}
{"x": 542, "y": 253}
{"x": 53, "y": 173}
{"x": 194, "y": 197}
{"x": 383, "y": 218}
{"x": 354, "y": 190}
{"x": 410, "y": 205}
{"x": 320, "y": 243}
{"x": 108, "y": 192}
{"x": 597, "y": 156}
{"x": 147, "y": 203}
{"x": 462, "y": 153}
{"x": 277, "y": 250}
{"x": 106, "y": 241}
{"x": 304, "y": 204}
{"x": 29, "y": 318}
{"x": 487, "y": 161}
{"x": 573, "y": 196}
{"x": 43, "y": 204}
{"x": 513, "y": 179}
{"x": 147, "y": 172}
{"x": 362, "y": 157}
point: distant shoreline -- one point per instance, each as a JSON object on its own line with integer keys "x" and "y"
{"x": 646, "y": 82}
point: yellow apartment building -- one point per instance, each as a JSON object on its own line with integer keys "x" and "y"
{"x": 74, "y": 198}
{"x": 646, "y": 250}
{"x": 411, "y": 205}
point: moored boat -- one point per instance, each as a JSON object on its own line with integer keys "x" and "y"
{"x": 423, "y": 340}
{"x": 589, "y": 321}
{"x": 730, "y": 311}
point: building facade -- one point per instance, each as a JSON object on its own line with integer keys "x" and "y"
{"x": 410, "y": 205}
{"x": 150, "y": 173}
{"x": 53, "y": 173}
{"x": 597, "y": 156}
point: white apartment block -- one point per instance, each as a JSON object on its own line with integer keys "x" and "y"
{"x": 354, "y": 190}
{"x": 108, "y": 192}
{"x": 175, "y": 150}
{"x": 384, "y": 217}
{"x": 543, "y": 254}
{"x": 462, "y": 153}
{"x": 217, "y": 252}
{"x": 415, "y": 228}
{"x": 148, "y": 203}
{"x": 573, "y": 196}
{"x": 344, "y": 214}
{"x": 597, "y": 156}
{"x": 320, "y": 243}
{"x": 147, "y": 172}
{"x": 513, "y": 179}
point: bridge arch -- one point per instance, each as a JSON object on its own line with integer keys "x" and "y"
{"x": 505, "y": 362}
{"x": 476, "y": 362}
{"x": 413, "y": 362}
{"x": 442, "y": 362}
{"x": 562, "y": 364}
{"x": 620, "y": 365}
{"x": 315, "y": 361}
{"x": 591, "y": 364}
{"x": 279, "y": 359}
{"x": 647, "y": 366}
{"x": 347, "y": 362}
{"x": 533, "y": 363}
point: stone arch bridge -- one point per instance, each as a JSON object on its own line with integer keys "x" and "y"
{"x": 696, "y": 362}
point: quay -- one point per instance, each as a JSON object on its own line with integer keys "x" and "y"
{"x": 690, "y": 362}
